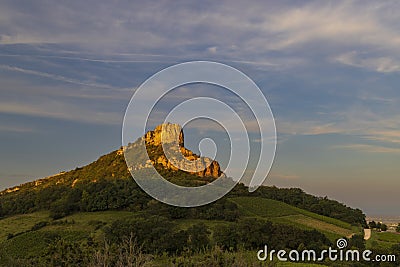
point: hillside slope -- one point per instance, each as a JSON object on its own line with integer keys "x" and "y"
{"x": 280, "y": 212}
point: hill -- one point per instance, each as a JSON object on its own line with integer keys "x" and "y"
{"x": 107, "y": 184}
{"x": 69, "y": 218}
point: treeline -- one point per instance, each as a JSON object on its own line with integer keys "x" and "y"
{"x": 379, "y": 226}
{"x": 159, "y": 235}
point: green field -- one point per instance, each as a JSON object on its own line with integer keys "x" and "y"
{"x": 280, "y": 212}
{"x": 383, "y": 239}
{"x": 389, "y": 237}
{"x": 20, "y": 223}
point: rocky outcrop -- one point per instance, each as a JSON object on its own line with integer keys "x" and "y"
{"x": 166, "y": 133}
{"x": 169, "y": 139}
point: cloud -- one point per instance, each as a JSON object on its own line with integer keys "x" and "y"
{"x": 283, "y": 176}
{"x": 373, "y": 128}
{"x": 341, "y": 23}
{"x": 389, "y": 136}
{"x": 25, "y": 86}
{"x": 53, "y": 76}
{"x": 368, "y": 148}
{"x": 379, "y": 64}
{"x": 16, "y": 129}
{"x": 212, "y": 49}
{"x": 235, "y": 31}
{"x": 110, "y": 57}
{"x": 306, "y": 127}
{"x": 60, "y": 110}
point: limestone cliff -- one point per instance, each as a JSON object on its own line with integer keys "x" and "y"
{"x": 165, "y": 147}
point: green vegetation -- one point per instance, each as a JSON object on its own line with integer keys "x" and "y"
{"x": 378, "y": 226}
{"x": 319, "y": 205}
{"x": 106, "y": 184}
{"x": 389, "y": 237}
{"x": 283, "y": 213}
{"x": 271, "y": 208}
{"x": 383, "y": 240}
{"x": 98, "y": 216}
{"x": 86, "y": 233}
{"x": 20, "y": 223}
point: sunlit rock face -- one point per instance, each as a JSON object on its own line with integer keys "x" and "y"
{"x": 169, "y": 133}
{"x": 169, "y": 139}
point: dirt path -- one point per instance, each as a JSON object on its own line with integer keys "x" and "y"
{"x": 367, "y": 234}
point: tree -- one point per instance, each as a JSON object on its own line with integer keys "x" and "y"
{"x": 378, "y": 226}
{"x": 372, "y": 224}
{"x": 357, "y": 241}
{"x": 383, "y": 227}
{"x": 398, "y": 228}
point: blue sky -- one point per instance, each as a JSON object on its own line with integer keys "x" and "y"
{"x": 330, "y": 71}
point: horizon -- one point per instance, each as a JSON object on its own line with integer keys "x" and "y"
{"x": 329, "y": 71}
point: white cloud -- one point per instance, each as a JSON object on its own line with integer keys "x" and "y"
{"x": 234, "y": 30}
{"x": 212, "y": 49}
{"x": 341, "y": 23}
{"x": 379, "y": 64}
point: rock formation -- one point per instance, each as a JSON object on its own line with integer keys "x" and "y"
{"x": 165, "y": 147}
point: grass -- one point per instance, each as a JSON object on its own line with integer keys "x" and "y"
{"x": 20, "y": 223}
{"x": 320, "y": 225}
{"x": 272, "y": 208}
{"x": 382, "y": 239}
{"x": 76, "y": 227}
{"x": 389, "y": 237}
{"x": 279, "y": 212}
{"x": 28, "y": 244}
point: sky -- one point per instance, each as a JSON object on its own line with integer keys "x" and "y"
{"x": 329, "y": 70}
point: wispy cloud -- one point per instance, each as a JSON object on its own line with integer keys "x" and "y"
{"x": 234, "y": 31}
{"x": 341, "y": 23}
{"x": 307, "y": 128}
{"x": 16, "y": 129}
{"x": 24, "y": 85}
{"x": 383, "y": 130}
{"x": 53, "y": 76}
{"x": 379, "y": 64}
{"x": 367, "y": 148}
{"x": 60, "y": 110}
{"x": 275, "y": 175}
